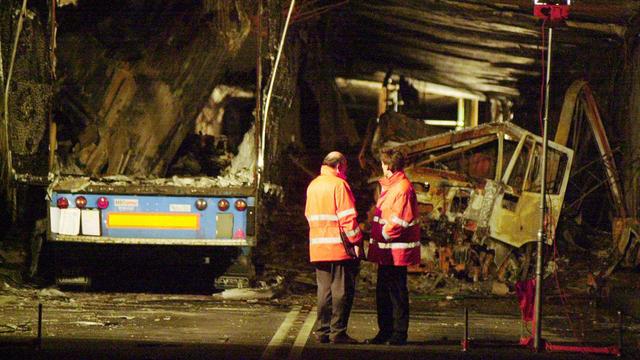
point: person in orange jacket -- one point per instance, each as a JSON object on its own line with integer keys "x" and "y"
{"x": 395, "y": 244}
{"x": 330, "y": 210}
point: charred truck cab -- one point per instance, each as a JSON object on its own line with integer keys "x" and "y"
{"x": 480, "y": 187}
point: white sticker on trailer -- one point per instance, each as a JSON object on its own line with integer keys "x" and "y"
{"x": 54, "y": 219}
{"x": 180, "y": 207}
{"x": 90, "y": 222}
{"x": 69, "y": 222}
{"x": 128, "y": 203}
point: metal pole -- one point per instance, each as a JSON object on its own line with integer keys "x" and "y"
{"x": 620, "y": 332}
{"x": 542, "y": 234}
{"x": 39, "y": 340}
{"x": 465, "y": 341}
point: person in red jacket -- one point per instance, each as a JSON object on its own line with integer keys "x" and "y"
{"x": 330, "y": 210}
{"x": 395, "y": 244}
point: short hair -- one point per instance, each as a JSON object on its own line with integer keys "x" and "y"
{"x": 393, "y": 158}
{"x": 333, "y": 159}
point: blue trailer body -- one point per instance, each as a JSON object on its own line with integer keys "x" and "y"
{"x": 152, "y": 219}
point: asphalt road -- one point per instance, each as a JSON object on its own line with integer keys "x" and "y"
{"x": 157, "y": 326}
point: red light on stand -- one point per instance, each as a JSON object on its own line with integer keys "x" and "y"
{"x": 81, "y": 202}
{"x": 102, "y": 202}
{"x": 241, "y": 205}
{"x": 62, "y": 203}
{"x": 223, "y": 205}
{"x": 554, "y": 10}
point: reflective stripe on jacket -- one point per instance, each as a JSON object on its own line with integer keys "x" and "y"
{"x": 395, "y": 232}
{"x": 330, "y": 207}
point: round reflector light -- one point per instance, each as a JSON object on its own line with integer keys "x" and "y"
{"x": 81, "y": 202}
{"x": 102, "y": 202}
{"x": 241, "y": 205}
{"x": 62, "y": 203}
{"x": 201, "y": 204}
{"x": 223, "y": 205}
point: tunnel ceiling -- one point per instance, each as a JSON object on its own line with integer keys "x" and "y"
{"x": 489, "y": 47}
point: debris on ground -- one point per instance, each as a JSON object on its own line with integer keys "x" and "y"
{"x": 12, "y": 328}
{"x": 53, "y": 294}
{"x": 265, "y": 291}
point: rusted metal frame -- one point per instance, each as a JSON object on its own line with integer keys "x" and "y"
{"x": 586, "y": 193}
{"x": 578, "y": 120}
{"x": 303, "y": 16}
{"x": 514, "y": 159}
{"x": 589, "y": 181}
{"x": 562, "y": 149}
{"x": 592, "y": 175}
{"x": 500, "y": 159}
{"x": 526, "y": 182}
{"x": 593, "y": 116}
{"x": 457, "y": 151}
{"x": 571, "y": 99}
{"x": 436, "y": 142}
{"x": 141, "y": 189}
{"x": 588, "y": 165}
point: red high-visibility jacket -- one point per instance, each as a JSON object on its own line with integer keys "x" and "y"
{"x": 395, "y": 232}
{"x": 330, "y": 207}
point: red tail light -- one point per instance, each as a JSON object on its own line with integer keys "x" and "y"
{"x": 241, "y": 205}
{"x": 62, "y": 203}
{"x": 223, "y": 205}
{"x": 102, "y": 202}
{"x": 81, "y": 202}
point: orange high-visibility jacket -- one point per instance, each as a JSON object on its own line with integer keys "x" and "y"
{"x": 330, "y": 208}
{"x": 395, "y": 232}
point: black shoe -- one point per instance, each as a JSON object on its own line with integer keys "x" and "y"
{"x": 397, "y": 340}
{"x": 343, "y": 338}
{"x": 322, "y": 339}
{"x": 377, "y": 340}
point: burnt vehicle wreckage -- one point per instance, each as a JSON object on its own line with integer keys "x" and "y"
{"x": 478, "y": 189}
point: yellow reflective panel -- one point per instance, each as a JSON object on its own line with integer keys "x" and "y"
{"x": 154, "y": 221}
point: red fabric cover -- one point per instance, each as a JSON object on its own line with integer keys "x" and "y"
{"x": 526, "y": 291}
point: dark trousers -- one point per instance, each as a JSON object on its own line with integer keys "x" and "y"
{"x": 336, "y": 289}
{"x": 392, "y": 301}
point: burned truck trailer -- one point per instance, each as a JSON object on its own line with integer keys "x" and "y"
{"x": 190, "y": 214}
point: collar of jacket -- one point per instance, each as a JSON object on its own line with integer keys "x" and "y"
{"x": 394, "y": 179}
{"x": 328, "y": 170}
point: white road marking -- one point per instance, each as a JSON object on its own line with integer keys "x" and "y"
{"x": 303, "y": 335}
{"x": 280, "y": 335}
